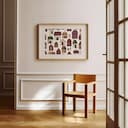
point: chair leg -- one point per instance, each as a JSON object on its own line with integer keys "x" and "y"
{"x": 74, "y": 104}
{"x": 63, "y": 105}
{"x": 94, "y": 98}
{"x": 86, "y": 102}
{"x": 63, "y": 99}
{"x": 74, "y": 99}
{"x": 94, "y": 104}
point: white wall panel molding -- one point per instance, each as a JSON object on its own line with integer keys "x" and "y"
{"x": 7, "y": 75}
{"x": 100, "y": 77}
{"x": 6, "y": 94}
{"x": 44, "y": 73}
{"x": 7, "y": 67}
{"x": 4, "y": 59}
{"x": 44, "y": 91}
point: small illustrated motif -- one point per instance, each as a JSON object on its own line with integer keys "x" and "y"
{"x": 56, "y": 44}
{"x": 74, "y": 34}
{"x": 69, "y": 42}
{"x": 58, "y": 51}
{"x": 64, "y": 35}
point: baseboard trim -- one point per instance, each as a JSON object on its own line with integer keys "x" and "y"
{"x": 100, "y": 105}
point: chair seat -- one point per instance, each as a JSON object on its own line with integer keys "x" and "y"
{"x": 78, "y": 94}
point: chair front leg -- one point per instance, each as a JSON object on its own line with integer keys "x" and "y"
{"x": 86, "y": 101}
{"x": 74, "y": 104}
{"x": 64, "y": 105}
{"x": 63, "y": 100}
{"x": 94, "y": 98}
{"x": 74, "y": 99}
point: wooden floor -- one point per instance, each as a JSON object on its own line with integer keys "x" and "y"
{"x": 50, "y": 119}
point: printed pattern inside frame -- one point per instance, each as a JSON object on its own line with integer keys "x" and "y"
{"x": 62, "y": 41}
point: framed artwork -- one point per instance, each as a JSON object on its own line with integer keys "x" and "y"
{"x": 62, "y": 41}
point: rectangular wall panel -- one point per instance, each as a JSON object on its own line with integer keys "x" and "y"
{"x": 8, "y": 80}
{"x": 36, "y": 90}
{"x": 8, "y": 30}
{"x": 1, "y": 30}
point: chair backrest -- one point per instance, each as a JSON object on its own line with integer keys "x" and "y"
{"x": 84, "y": 78}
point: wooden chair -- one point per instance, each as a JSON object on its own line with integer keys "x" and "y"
{"x": 86, "y": 80}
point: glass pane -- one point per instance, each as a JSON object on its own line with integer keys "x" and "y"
{"x": 108, "y": 45}
{"x": 110, "y": 79}
{"x": 108, "y": 103}
{"x": 126, "y": 80}
{"x": 108, "y": 76}
{"x": 126, "y": 114}
{"x": 121, "y": 9}
{"x": 126, "y": 8}
{"x": 121, "y": 78}
{"x": 111, "y": 14}
{"x": 111, "y": 47}
{"x": 111, "y": 105}
{"x": 126, "y": 38}
{"x": 121, "y": 41}
{"x": 108, "y": 18}
{"x": 121, "y": 113}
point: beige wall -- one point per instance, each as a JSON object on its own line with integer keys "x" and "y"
{"x": 34, "y": 71}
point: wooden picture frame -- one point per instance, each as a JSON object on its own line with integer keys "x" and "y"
{"x": 62, "y": 41}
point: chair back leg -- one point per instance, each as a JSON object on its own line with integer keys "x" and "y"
{"x": 74, "y": 99}
{"x": 74, "y": 104}
{"x": 94, "y": 98}
{"x": 86, "y": 102}
{"x": 94, "y": 104}
{"x": 63, "y": 100}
